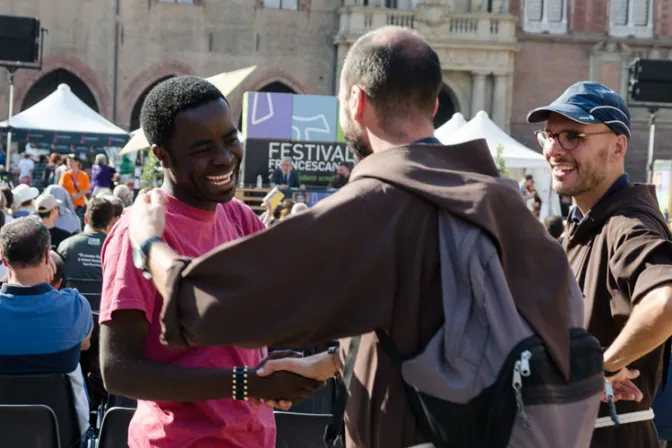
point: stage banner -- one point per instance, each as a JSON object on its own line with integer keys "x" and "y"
{"x": 304, "y": 128}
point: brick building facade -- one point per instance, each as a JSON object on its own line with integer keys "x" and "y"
{"x": 502, "y": 56}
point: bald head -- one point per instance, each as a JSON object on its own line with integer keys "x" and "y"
{"x": 399, "y": 72}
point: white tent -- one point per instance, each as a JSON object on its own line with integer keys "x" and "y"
{"x": 447, "y": 129}
{"x": 514, "y": 153}
{"x": 519, "y": 159}
{"x": 62, "y": 111}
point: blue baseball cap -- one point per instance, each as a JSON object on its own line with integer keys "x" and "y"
{"x": 588, "y": 102}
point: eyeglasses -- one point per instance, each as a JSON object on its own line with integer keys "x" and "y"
{"x": 568, "y": 140}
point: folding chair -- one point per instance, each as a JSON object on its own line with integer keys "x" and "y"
{"x": 296, "y": 430}
{"x": 32, "y": 425}
{"x": 114, "y": 430}
{"x": 53, "y": 391}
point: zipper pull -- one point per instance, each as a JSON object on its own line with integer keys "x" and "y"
{"x": 517, "y": 388}
{"x": 525, "y": 363}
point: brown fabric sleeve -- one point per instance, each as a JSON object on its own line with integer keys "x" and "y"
{"x": 641, "y": 258}
{"x": 170, "y": 320}
{"x": 323, "y": 274}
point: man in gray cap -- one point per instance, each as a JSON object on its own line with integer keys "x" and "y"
{"x": 47, "y": 210}
{"x": 618, "y": 245}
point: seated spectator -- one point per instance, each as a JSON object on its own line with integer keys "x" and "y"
{"x": 67, "y": 218}
{"x": 341, "y": 178}
{"x": 24, "y": 197}
{"x": 286, "y": 176}
{"x": 123, "y": 193}
{"x": 57, "y": 261}
{"x": 48, "y": 211}
{"x": 6, "y": 202}
{"x": 117, "y": 209}
{"x": 42, "y": 330}
{"x": 81, "y": 252}
{"x": 555, "y": 226}
{"x": 298, "y": 208}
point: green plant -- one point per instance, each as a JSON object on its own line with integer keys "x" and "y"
{"x": 151, "y": 172}
{"x": 500, "y": 162}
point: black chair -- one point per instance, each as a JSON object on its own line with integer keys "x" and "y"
{"x": 53, "y": 391}
{"x": 297, "y": 430}
{"x": 117, "y": 401}
{"x": 90, "y": 362}
{"x": 114, "y": 430}
{"x": 24, "y": 426}
{"x": 321, "y": 402}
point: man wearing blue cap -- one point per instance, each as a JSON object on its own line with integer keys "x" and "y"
{"x": 618, "y": 245}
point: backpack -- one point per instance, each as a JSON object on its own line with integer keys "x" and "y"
{"x": 485, "y": 379}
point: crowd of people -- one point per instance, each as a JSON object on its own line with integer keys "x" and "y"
{"x": 461, "y": 321}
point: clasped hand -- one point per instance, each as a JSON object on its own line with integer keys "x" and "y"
{"x": 280, "y": 389}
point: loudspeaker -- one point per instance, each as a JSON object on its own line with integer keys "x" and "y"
{"x": 19, "y": 39}
{"x": 651, "y": 81}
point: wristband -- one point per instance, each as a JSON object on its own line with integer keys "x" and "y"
{"x": 239, "y": 383}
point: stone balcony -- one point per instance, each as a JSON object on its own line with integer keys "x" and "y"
{"x": 434, "y": 22}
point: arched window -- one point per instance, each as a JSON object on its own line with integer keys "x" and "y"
{"x": 447, "y": 107}
{"x": 48, "y": 84}
{"x": 137, "y": 108}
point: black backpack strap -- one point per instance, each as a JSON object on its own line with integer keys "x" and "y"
{"x": 412, "y": 393}
{"x": 335, "y": 429}
{"x": 667, "y": 349}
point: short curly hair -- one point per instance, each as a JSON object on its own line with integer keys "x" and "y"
{"x": 169, "y": 98}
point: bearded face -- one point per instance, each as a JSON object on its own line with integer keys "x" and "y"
{"x": 353, "y": 133}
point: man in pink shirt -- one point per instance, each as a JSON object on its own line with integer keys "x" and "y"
{"x": 185, "y": 396}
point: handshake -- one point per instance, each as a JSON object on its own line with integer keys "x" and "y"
{"x": 285, "y": 377}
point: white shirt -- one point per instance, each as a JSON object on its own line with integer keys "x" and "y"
{"x": 26, "y": 167}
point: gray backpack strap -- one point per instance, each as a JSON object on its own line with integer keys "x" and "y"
{"x": 335, "y": 429}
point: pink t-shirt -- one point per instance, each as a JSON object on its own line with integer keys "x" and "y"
{"x": 216, "y": 423}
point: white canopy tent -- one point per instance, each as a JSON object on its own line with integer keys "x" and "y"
{"x": 451, "y": 126}
{"x": 62, "y": 111}
{"x": 519, "y": 159}
{"x": 62, "y": 121}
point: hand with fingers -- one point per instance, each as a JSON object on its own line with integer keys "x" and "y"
{"x": 623, "y": 387}
{"x": 147, "y": 216}
{"x": 281, "y": 389}
{"x": 319, "y": 367}
{"x": 276, "y": 354}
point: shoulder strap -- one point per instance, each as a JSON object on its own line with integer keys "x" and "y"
{"x": 74, "y": 182}
{"x": 412, "y": 393}
{"x": 667, "y": 348}
{"x": 335, "y": 429}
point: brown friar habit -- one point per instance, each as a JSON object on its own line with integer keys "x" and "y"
{"x": 367, "y": 257}
{"x": 619, "y": 252}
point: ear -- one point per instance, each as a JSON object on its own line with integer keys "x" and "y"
{"x": 47, "y": 258}
{"x": 86, "y": 220}
{"x": 57, "y": 286}
{"x": 436, "y": 107}
{"x": 163, "y": 156}
{"x": 357, "y": 101}
{"x": 620, "y": 147}
{"x": 4, "y": 261}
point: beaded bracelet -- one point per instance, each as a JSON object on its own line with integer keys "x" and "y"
{"x": 240, "y": 383}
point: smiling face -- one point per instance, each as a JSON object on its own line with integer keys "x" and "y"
{"x": 203, "y": 155}
{"x": 592, "y": 166}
